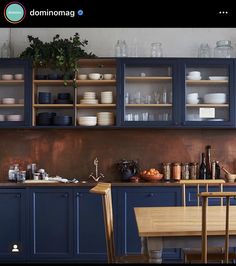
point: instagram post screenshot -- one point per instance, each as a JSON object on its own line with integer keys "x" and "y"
{"x": 117, "y": 132}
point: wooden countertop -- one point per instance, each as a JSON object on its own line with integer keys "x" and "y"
{"x": 89, "y": 184}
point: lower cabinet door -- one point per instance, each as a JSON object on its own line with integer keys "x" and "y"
{"x": 13, "y": 224}
{"x": 129, "y": 240}
{"x": 89, "y": 226}
{"x": 51, "y": 221}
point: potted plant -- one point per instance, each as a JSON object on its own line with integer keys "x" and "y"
{"x": 61, "y": 54}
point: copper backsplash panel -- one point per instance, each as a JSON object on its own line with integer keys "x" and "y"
{"x": 70, "y": 152}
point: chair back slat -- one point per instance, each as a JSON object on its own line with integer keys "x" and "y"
{"x": 104, "y": 189}
{"x": 198, "y": 183}
{"x": 205, "y": 196}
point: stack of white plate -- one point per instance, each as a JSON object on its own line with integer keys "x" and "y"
{"x": 14, "y": 117}
{"x": 89, "y": 98}
{"x": 106, "y": 97}
{"x": 105, "y": 118}
{"x": 87, "y": 120}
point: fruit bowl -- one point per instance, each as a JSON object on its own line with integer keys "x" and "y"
{"x": 151, "y": 177}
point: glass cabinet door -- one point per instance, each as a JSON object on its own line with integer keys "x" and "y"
{"x": 15, "y": 88}
{"x": 147, "y": 92}
{"x": 209, "y": 96}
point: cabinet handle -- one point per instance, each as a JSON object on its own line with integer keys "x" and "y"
{"x": 150, "y": 194}
{"x": 78, "y": 195}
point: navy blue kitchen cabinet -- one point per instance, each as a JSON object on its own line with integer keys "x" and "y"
{"x": 207, "y": 89}
{"x": 149, "y": 92}
{"x": 176, "y": 92}
{"x": 15, "y": 92}
{"x": 90, "y": 240}
{"x": 51, "y": 223}
{"x": 13, "y": 220}
{"x": 129, "y": 241}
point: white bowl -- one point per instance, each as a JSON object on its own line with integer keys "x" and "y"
{"x": 7, "y": 76}
{"x": 194, "y": 73}
{"x": 194, "y": 77}
{"x": 190, "y": 101}
{"x": 214, "y": 98}
{"x": 14, "y": 117}
{"x": 18, "y": 76}
{"x": 192, "y": 95}
{"x": 8, "y": 100}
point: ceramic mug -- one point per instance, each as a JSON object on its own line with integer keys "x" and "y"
{"x": 108, "y": 76}
{"x": 95, "y": 76}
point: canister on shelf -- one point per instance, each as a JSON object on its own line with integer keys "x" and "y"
{"x": 166, "y": 171}
{"x": 193, "y": 170}
{"x": 184, "y": 171}
{"x": 176, "y": 171}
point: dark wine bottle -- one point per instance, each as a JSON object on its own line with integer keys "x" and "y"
{"x": 202, "y": 168}
{"x": 208, "y": 162}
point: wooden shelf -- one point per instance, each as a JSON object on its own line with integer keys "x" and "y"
{"x": 208, "y": 82}
{"x": 11, "y": 105}
{"x": 208, "y": 105}
{"x": 149, "y": 105}
{"x": 148, "y": 78}
{"x": 11, "y": 82}
{"x": 53, "y": 105}
{"x": 87, "y": 82}
{"x": 95, "y": 105}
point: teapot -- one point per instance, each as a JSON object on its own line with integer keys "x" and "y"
{"x": 127, "y": 169}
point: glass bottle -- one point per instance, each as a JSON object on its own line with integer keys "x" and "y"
{"x": 202, "y": 168}
{"x": 5, "y": 51}
{"x": 204, "y": 50}
{"x": 208, "y": 162}
{"x": 118, "y": 49}
{"x": 124, "y": 49}
{"x": 223, "y": 49}
{"x": 156, "y": 49}
{"x": 217, "y": 170}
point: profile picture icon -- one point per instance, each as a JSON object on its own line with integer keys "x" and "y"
{"x": 14, "y": 12}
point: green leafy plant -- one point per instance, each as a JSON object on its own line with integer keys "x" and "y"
{"x": 61, "y": 54}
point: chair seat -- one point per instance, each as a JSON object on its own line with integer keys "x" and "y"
{"x": 139, "y": 258}
{"x": 213, "y": 254}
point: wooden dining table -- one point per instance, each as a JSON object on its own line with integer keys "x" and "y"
{"x": 180, "y": 227}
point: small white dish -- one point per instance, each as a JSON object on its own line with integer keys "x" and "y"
{"x": 8, "y": 100}
{"x": 218, "y": 77}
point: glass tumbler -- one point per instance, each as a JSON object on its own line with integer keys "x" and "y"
{"x": 156, "y": 49}
{"x": 204, "y": 50}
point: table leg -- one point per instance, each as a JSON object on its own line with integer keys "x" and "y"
{"x": 155, "y": 246}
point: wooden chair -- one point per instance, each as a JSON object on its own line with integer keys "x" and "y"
{"x": 104, "y": 189}
{"x": 194, "y": 254}
{"x": 226, "y": 256}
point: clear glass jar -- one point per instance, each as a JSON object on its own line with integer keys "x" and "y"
{"x": 156, "y": 49}
{"x": 223, "y": 49}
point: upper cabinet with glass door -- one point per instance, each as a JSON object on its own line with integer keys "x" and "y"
{"x": 15, "y": 92}
{"x": 209, "y": 96}
{"x": 148, "y": 96}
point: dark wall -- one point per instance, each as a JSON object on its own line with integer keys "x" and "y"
{"x": 70, "y": 152}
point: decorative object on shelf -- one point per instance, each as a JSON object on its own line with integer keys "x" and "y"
{"x": 204, "y": 50}
{"x": 96, "y": 177}
{"x": 224, "y": 49}
{"x": 128, "y": 169}
{"x": 60, "y": 54}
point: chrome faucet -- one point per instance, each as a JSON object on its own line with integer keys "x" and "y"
{"x": 96, "y": 177}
